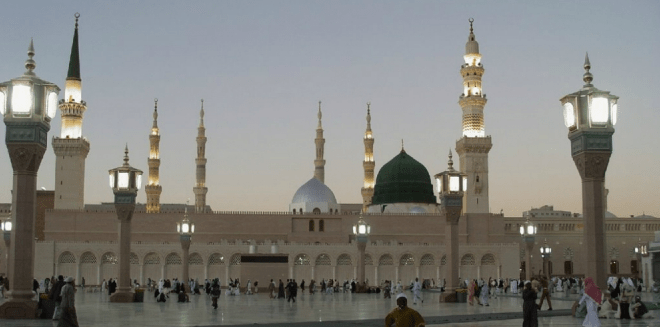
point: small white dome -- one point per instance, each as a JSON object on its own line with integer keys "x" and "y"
{"x": 314, "y": 191}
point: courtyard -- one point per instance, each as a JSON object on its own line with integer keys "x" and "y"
{"x": 339, "y": 309}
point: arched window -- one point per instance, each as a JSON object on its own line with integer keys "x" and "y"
{"x": 134, "y": 259}
{"x": 152, "y": 259}
{"x": 88, "y": 257}
{"x": 323, "y": 260}
{"x": 406, "y": 260}
{"x": 173, "y": 259}
{"x": 488, "y": 259}
{"x": 427, "y": 260}
{"x": 467, "y": 260}
{"x": 311, "y": 225}
{"x": 344, "y": 260}
{"x": 235, "y": 260}
{"x": 195, "y": 259}
{"x": 67, "y": 257}
{"x": 386, "y": 260}
{"x": 443, "y": 261}
{"x": 614, "y": 267}
{"x": 109, "y": 258}
{"x": 633, "y": 267}
{"x": 301, "y": 260}
{"x": 568, "y": 267}
{"x": 321, "y": 226}
{"x": 316, "y": 211}
{"x": 216, "y": 259}
{"x": 368, "y": 261}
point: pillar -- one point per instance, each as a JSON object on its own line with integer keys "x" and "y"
{"x": 98, "y": 274}
{"x": 226, "y": 274}
{"x": 162, "y": 271}
{"x": 25, "y": 160}
{"x": 361, "y": 244}
{"x": 206, "y": 272}
{"x": 313, "y": 273}
{"x": 291, "y": 271}
{"x": 334, "y": 272}
{"x": 79, "y": 273}
{"x": 592, "y": 166}
{"x": 396, "y": 273}
{"x": 185, "y": 246}
{"x": 529, "y": 246}
{"x": 142, "y": 274}
{"x": 124, "y": 292}
{"x": 478, "y": 272}
{"x": 417, "y": 272}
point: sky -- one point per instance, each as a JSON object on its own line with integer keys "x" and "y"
{"x": 262, "y": 66}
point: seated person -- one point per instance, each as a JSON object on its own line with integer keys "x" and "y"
{"x": 608, "y": 307}
{"x": 579, "y": 310}
{"x": 161, "y": 297}
{"x": 183, "y": 297}
{"x": 623, "y": 311}
{"x": 639, "y": 310}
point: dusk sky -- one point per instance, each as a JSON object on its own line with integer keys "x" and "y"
{"x": 262, "y": 66}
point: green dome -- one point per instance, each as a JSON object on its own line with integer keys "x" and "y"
{"x": 403, "y": 180}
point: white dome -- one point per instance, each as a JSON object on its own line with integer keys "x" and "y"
{"x": 314, "y": 192}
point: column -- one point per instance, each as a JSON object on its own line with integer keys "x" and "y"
{"x": 78, "y": 274}
{"x": 499, "y": 271}
{"x": 142, "y": 274}
{"x": 528, "y": 259}
{"x": 185, "y": 246}
{"x": 360, "y": 267}
{"x": 313, "y": 272}
{"x": 355, "y": 272}
{"x": 376, "y": 274}
{"x": 334, "y": 272}
{"x": 206, "y": 271}
{"x": 396, "y": 273}
{"x": 417, "y": 272}
{"x": 98, "y": 275}
{"x": 124, "y": 292}
{"x": 592, "y": 167}
{"x": 291, "y": 271}
{"x": 162, "y": 271}
{"x": 226, "y": 274}
{"x": 478, "y": 272}
{"x": 437, "y": 274}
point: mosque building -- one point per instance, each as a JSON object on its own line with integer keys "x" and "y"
{"x": 313, "y": 239}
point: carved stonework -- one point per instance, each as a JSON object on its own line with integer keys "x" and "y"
{"x": 452, "y": 214}
{"x": 592, "y": 164}
{"x": 26, "y": 157}
{"x": 124, "y": 211}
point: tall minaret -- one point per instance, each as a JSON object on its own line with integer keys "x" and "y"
{"x": 319, "y": 163}
{"x": 474, "y": 146}
{"x": 153, "y": 188}
{"x": 368, "y": 163}
{"x": 200, "y": 188}
{"x": 71, "y": 148}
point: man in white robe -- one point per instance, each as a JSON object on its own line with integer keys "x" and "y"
{"x": 417, "y": 289}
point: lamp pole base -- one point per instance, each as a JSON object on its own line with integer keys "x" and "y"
{"x": 122, "y": 297}
{"x": 19, "y": 309}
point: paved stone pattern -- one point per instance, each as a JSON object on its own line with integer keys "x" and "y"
{"x": 339, "y": 309}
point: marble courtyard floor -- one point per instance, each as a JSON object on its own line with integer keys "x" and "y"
{"x": 339, "y": 309}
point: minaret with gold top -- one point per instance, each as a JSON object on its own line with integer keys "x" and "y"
{"x": 319, "y": 163}
{"x": 153, "y": 187}
{"x": 200, "y": 188}
{"x": 474, "y": 146}
{"x": 368, "y": 163}
{"x": 71, "y": 148}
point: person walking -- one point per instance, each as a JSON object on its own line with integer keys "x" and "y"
{"x": 54, "y": 295}
{"x": 68, "y": 317}
{"x": 280, "y": 291}
{"x": 417, "y": 290}
{"x": 592, "y": 296}
{"x": 483, "y": 294}
{"x": 215, "y": 294}
{"x": 271, "y": 289}
{"x": 530, "y": 318}
{"x": 403, "y": 316}
{"x": 546, "y": 294}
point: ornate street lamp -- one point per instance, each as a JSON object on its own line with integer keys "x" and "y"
{"x": 6, "y": 226}
{"x": 125, "y": 182}
{"x": 451, "y": 185}
{"x": 27, "y": 104}
{"x": 638, "y": 256}
{"x": 185, "y": 229}
{"x": 546, "y": 251}
{"x": 590, "y": 115}
{"x": 361, "y": 231}
{"x": 528, "y": 235}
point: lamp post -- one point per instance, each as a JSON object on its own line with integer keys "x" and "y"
{"x": 590, "y": 115}
{"x": 527, "y": 233}
{"x": 125, "y": 182}
{"x": 451, "y": 185}
{"x": 185, "y": 229}
{"x": 638, "y": 256}
{"x": 545, "y": 254}
{"x": 361, "y": 230}
{"x": 6, "y": 226}
{"x": 27, "y": 104}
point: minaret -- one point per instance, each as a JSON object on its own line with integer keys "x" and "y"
{"x": 474, "y": 146}
{"x": 153, "y": 188}
{"x": 368, "y": 163}
{"x": 319, "y": 163}
{"x": 71, "y": 148}
{"x": 200, "y": 188}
